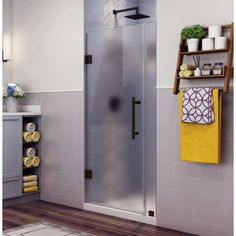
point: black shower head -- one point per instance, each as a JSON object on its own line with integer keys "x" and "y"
{"x": 136, "y": 16}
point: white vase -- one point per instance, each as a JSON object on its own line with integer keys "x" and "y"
{"x": 214, "y": 31}
{"x": 11, "y": 103}
{"x": 221, "y": 42}
{"x": 207, "y": 44}
{"x": 192, "y": 45}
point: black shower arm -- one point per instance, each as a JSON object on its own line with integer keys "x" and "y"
{"x": 126, "y": 9}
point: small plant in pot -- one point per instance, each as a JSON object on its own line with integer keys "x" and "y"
{"x": 192, "y": 34}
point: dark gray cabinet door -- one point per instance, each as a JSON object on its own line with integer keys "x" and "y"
{"x": 12, "y": 146}
{"x": 12, "y": 188}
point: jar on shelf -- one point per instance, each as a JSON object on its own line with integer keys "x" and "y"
{"x": 218, "y": 68}
{"x": 206, "y": 69}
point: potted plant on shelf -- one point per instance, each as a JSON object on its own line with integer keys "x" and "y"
{"x": 192, "y": 34}
{"x": 11, "y": 93}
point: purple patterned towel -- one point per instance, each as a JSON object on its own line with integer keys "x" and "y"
{"x": 197, "y": 107}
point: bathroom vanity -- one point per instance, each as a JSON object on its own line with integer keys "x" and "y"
{"x": 13, "y": 146}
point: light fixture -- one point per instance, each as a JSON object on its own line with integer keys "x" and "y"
{"x": 6, "y": 52}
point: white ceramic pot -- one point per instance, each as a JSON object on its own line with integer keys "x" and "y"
{"x": 221, "y": 42}
{"x": 12, "y": 104}
{"x": 197, "y": 72}
{"x": 214, "y": 31}
{"x": 192, "y": 45}
{"x": 207, "y": 44}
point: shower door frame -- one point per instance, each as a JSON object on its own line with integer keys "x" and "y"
{"x": 144, "y": 218}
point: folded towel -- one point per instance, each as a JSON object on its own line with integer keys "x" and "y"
{"x": 28, "y": 178}
{"x": 197, "y": 106}
{"x": 31, "y": 189}
{"x": 187, "y": 67}
{"x": 27, "y": 137}
{"x": 35, "y": 136}
{"x": 198, "y": 142}
{"x": 29, "y": 152}
{"x": 188, "y": 73}
{"x": 181, "y": 73}
{"x": 30, "y": 184}
{"x": 29, "y": 127}
{"x": 35, "y": 161}
{"x": 27, "y": 162}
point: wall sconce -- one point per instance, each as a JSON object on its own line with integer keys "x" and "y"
{"x": 6, "y": 52}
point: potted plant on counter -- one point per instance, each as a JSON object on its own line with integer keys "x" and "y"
{"x": 11, "y": 93}
{"x": 192, "y": 34}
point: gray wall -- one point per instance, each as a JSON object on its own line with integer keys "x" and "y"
{"x": 193, "y": 197}
{"x": 62, "y": 146}
{"x": 48, "y": 44}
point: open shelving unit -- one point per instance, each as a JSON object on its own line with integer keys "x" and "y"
{"x": 227, "y": 72}
{"x": 37, "y": 145}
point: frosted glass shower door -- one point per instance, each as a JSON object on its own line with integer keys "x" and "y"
{"x": 115, "y": 108}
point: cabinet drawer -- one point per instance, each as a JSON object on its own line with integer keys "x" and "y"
{"x": 12, "y": 188}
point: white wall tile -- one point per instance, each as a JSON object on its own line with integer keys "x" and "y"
{"x": 207, "y": 189}
{"x": 223, "y": 231}
{"x": 62, "y": 146}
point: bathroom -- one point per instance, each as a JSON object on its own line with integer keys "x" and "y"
{"x": 75, "y": 58}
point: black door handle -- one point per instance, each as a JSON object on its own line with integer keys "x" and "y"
{"x": 134, "y": 132}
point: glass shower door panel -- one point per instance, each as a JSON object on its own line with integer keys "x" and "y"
{"x": 113, "y": 79}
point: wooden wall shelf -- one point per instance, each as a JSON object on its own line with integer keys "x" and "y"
{"x": 202, "y": 77}
{"x": 204, "y": 52}
{"x": 228, "y": 72}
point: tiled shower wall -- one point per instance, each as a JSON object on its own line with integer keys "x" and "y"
{"x": 192, "y": 197}
{"x": 62, "y": 146}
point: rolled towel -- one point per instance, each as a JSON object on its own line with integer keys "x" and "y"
{"x": 29, "y": 152}
{"x": 187, "y": 67}
{"x": 181, "y": 73}
{"x": 27, "y": 136}
{"x": 30, "y": 184}
{"x": 29, "y": 127}
{"x": 35, "y": 161}
{"x": 28, "y": 178}
{"x": 188, "y": 73}
{"x": 35, "y": 136}
{"x": 31, "y": 189}
{"x": 27, "y": 162}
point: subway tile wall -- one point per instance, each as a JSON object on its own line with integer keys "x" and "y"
{"x": 62, "y": 146}
{"x": 192, "y": 197}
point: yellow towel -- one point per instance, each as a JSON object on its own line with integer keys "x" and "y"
{"x": 27, "y": 178}
{"x": 30, "y": 184}
{"x": 31, "y": 189}
{"x": 200, "y": 142}
{"x": 35, "y": 136}
{"x": 181, "y": 74}
{"x": 27, "y": 162}
{"x": 35, "y": 161}
{"x": 187, "y": 67}
{"x": 27, "y": 136}
{"x": 188, "y": 73}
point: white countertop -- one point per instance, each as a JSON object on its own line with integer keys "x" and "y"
{"x": 24, "y": 110}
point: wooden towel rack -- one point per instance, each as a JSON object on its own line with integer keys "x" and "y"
{"x": 228, "y": 71}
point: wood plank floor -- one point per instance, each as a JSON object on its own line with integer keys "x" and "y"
{"x": 94, "y": 223}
